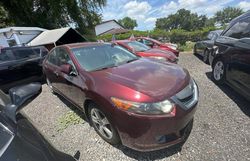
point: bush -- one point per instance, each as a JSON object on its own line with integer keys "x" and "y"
{"x": 175, "y": 36}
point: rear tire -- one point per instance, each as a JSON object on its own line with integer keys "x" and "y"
{"x": 219, "y": 71}
{"x": 102, "y": 125}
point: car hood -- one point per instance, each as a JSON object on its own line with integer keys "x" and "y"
{"x": 152, "y": 78}
{"x": 169, "y": 54}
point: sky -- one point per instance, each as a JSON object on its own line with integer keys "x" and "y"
{"x": 146, "y": 12}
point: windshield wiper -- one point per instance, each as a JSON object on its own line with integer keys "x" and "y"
{"x": 131, "y": 60}
{"x": 105, "y": 67}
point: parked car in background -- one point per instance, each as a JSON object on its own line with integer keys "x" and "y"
{"x": 231, "y": 63}
{"x": 19, "y": 139}
{"x": 205, "y": 47}
{"x": 20, "y": 65}
{"x": 145, "y": 51}
{"x": 152, "y": 43}
{"x": 143, "y": 103}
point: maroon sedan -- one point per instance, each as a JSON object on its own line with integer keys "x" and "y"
{"x": 152, "y": 43}
{"x": 142, "y": 103}
{"x": 144, "y": 51}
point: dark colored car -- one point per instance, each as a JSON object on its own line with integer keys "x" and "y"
{"x": 231, "y": 63}
{"x": 145, "y": 51}
{"x": 152, "y": 43}
{"x": 20, "y": 65}
{"x": 205, "y": 47}
{"x": 144, "y": 103}
{"x": 19, "y": 139}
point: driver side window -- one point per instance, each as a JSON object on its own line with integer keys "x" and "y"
{"x": 64, "y": 58}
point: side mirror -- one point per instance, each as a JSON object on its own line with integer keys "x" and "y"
{"x": 66, "y": 68}
{"x": 20, "y": 96}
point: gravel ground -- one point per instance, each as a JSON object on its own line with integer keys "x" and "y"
{"x": 221, "y": 129}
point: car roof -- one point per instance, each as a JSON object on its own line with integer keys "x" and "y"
{"x": 123, "y": 41}
{"x": 84, "y": 44}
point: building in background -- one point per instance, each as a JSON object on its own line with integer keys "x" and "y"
{"x": 18, "y": 36}
{"x": 109, "y": 27}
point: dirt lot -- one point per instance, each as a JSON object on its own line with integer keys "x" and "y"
{"x": 221, "y": 128}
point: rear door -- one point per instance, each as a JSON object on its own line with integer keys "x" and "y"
{"x": 51, "y": 69}
{"x": 29, "y": 62}
{"x": 8, "y": 72}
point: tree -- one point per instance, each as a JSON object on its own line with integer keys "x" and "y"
{"x": 4, "y": 18}
{"x": 182, "y": 19}
{"x": 227, "y": 14}
{"x": 128, "y": 23}
{"x": 51, "y": 14}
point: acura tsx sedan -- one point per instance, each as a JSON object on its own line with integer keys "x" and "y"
{"x": 143, "y": 103}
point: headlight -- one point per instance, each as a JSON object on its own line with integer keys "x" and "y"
{"x": 158, "y": 57}
{"x": 164, "y": 107}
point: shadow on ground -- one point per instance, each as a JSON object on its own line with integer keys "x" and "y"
{"x": 242, "y": 103}
{"x": 154, "y": 155}
{"x": 72, "y": 107}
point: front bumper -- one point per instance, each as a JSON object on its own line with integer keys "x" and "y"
{"x": 147, "y": 132}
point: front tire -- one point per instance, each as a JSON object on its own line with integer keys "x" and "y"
{"x": 102, "y": 125}
{"x": 219, "y": 71}
{"x": 206, "y": 56}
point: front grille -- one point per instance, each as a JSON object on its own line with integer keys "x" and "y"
{"x": 188, "y": 96}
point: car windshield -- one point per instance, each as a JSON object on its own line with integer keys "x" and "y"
{"x": 104, "y": 56}
{"x": 6, "y": 138}
{"x": 137, "y": 46}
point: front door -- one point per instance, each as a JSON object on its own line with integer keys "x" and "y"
{"x": 72, "y": 84}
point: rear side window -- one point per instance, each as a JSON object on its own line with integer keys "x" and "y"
{"x": 240, "y": 29}
{"x": 52, "y": 57}
{"x": 26, "y": 53}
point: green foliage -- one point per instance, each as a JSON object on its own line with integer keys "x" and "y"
{"x": 128, "y": 23}
{"x": 175, "y": 36}
{"x": 4, "y": 18}
{"x": 227, "y": 14}
{"x": 52, "y": 14}
{"x": 185, "y": 20}
{"x": 70, "y": 118}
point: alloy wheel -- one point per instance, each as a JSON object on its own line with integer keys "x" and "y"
{"x": 101, "y": 123}
{"x": 218, "y": 70}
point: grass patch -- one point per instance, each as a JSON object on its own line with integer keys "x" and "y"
{"x": 188, "y": 46}
{"x": 69, "y": 118}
